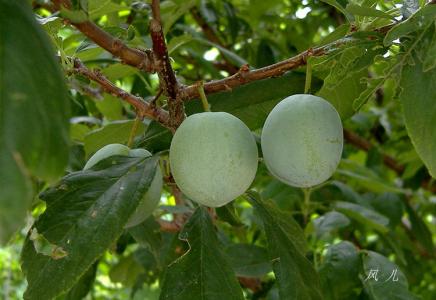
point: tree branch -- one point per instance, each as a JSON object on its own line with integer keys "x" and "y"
{"x": 245, "y": 75}
{"x": 167, "y": 77}
{"x": 359, "y": 142}
{"x": 142, "y": 60}
{"x": 143, "y": 108}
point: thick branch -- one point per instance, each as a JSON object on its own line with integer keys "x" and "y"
{"x": 142, "y": 60}
{"x": 143, "y": 108}
{"x": 167, "y": 77}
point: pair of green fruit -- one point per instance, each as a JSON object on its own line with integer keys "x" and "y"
{"x": 214, "y": 157}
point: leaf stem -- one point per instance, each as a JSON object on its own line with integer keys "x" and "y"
{"x": 133, "y": 131}
{"x": 308, "y": 82}
{"x": 306, "y": 203}
{"x": 203, "y": 97}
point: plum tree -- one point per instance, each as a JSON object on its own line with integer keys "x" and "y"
{"x": 302, "y": 140}
{"x": 151, "y": 197}
{"x": 213, "y": 158}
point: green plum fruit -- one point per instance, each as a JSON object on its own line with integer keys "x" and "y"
{"x": 213, "y": 158}
{"x": 105, "y": 152}
{"x": 302, "y": 140}
{"x": 151, "y": 198}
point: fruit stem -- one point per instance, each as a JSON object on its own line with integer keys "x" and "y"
{"x": 308, "y": 82}
{"x": 306, "y": 204}
{"x": 133, "y": 132}
{"x": 203, "y": 97}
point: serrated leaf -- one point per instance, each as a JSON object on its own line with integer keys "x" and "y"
{"x": 343, "y": 84}
{"x": 417, "y": 21}
{"x": 339, "y": 272}
{"x": 115, "y": 132}
{"x": 34, "y": 112}
{"x": 248, "y": 260}
{"x": 86, "y": 212}
{"x": 417, "y": 98}
{"x": 391, "y": 283}
{"x": 359, "y": 10}
{"x": 295, "y": 275}
{"x": 202, "y": 272}
{"x": 252, "y": 102}
{"x": 363, "y": 215}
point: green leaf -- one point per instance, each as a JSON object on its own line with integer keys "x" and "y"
{"x": 171, "y": 11}
{"x": 178, "y": 41}
{"x": 339, "y": 7}
{"x": 417, "y": 21}
{"x": 99, "y": 8}
{"x": 34, "y": 113}
{"x": 156, "y": 138}
{"x": 248, "y": 260}
{"x": 420, "y": 229}
{"x": 389, "y": 205}
{"x": 295, "y": 275}
{"x": 359, "y": 10}
{"x": 343, "y": 85}
{"x": 329, "y": 222}
{"x": 339, "y": 272}
{"x": 385, "y": 287}
{"x": 115, "y": 132}
{"x": 417, "y": 98}
{"x": 111, "y": 107}
{"x": 86, "y": 212}
{"x": 337, "y": 34}
{"x": 231, "y": 56}
{"x": 252, "y": 102}
{"x": 363, "y": 215}
{"x": 126, "y": 271}
{"x": 202, "y": 272}
{"x": 83, "y": 286}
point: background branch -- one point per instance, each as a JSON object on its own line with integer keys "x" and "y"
{"x": 211, "y": 35}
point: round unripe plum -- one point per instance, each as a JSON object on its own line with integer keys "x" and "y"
{"x": 213, "y": 158}
{"x": 302, "y": 140}
{"x": 105, "y": 152}
{"x": 151, "y": 198}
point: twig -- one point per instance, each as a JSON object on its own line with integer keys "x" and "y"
{"x": 210, "y": 34}
{"x": 142, "y": 60}
{"x": 358, "y": 141}
{"x": 167, "y": 226}
{"x": 143, "y": 108}
{"x": 167, "y": 77}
